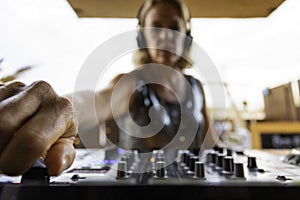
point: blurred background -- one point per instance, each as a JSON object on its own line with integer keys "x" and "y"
{"x": 50, "y": 40}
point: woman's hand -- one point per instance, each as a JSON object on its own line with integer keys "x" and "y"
{"x": 35, "y": 122}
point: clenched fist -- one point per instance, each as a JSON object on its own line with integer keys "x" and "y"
{"x": 35, "y": 122}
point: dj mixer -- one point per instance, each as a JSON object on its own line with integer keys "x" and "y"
{"x": 219, "y": 173}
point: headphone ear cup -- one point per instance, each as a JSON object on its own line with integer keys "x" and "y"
{"x": 142, "y": 43}
{"x": 141, "y": 39}
{"x": 188, "y": 42}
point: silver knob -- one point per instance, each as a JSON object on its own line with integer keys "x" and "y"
{"x": 122, "y": 169}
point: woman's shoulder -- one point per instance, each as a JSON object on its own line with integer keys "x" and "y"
{"x": 194, "y": 81}
{"x": 124, "y": 78}
{"x": 191, "y": 78}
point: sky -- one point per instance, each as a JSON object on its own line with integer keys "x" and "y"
{"x": 250, "y": 54}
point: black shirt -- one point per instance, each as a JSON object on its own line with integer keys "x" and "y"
{"x": 153, "y": 123}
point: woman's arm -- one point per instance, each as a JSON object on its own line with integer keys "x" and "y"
{"x": 93, "y": 108}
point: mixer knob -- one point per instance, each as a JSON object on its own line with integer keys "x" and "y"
{"x": 215, "y": 148}
{"x": 221, "y": 150}
{"x": 187, "y": 163}
{"x": 252, "y": 163}
{"x": 160, "y": 169}
{"x": 185, "y": 158}
{"x": 38, "y": 174}
{"x": 208, "y": 158}
{"x": 193, "y": 160}
{"x": 229, "y": 152}
{"x": 227, "y": 165}
{"x": 180, "y": 155}
{"x": 127, "y": 159}
{"x": 122, "y": 170}
{"x": 199, "y": 170}
{"x": 219, "y": 162}
{"x": 239, "y": 170}
{"x": 213, "y": 158}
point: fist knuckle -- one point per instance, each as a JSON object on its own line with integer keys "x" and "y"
{"x": 43, "y": 87}
{"x": 65, "y": 104}
{"x": 17, "y": 84}
{"x": 73, "y": 130}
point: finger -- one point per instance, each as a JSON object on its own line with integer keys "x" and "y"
{"x": 36, "y": 137}
{"x": 17, "y": 109}
{"x": 60, "y": 156}
{"x": 10, "y": 89}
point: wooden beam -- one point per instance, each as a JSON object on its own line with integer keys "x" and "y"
{"x": 199, "y": 8}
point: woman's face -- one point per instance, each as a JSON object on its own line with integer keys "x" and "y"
{"x": 168, "y": 34}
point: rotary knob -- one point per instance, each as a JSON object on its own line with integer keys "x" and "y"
{"x": 187, "y": 161}
{"x": 229, "y": 152}
{"x": 219, "y": 162}
{"x": 193, "y": 160}
{"x": 252, "y": 163}
{"x": 122, "y": 170}
{"x": 184, "y": 158}
{"x": 212, "y": 158}
{"x": 199, "y": 170}
{"x": 239, "y": 170}
{"x": 160, "y": 169}
{"x": 227, "y": 165}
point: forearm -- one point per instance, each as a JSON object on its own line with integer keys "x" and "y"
{"x": 93, "y": 108}
{"x": 84, "y": 104}
{"x": 97, "y": 107}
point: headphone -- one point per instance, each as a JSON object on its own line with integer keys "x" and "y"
{"x": 140, "y": 35}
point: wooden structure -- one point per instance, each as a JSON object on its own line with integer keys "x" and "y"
{"x": 199, "y": 8}
{"x": 277, "y": 128}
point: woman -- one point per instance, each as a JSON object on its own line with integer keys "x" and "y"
{"x": 154, "y": 85}
{"x": 162, "y": 101}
